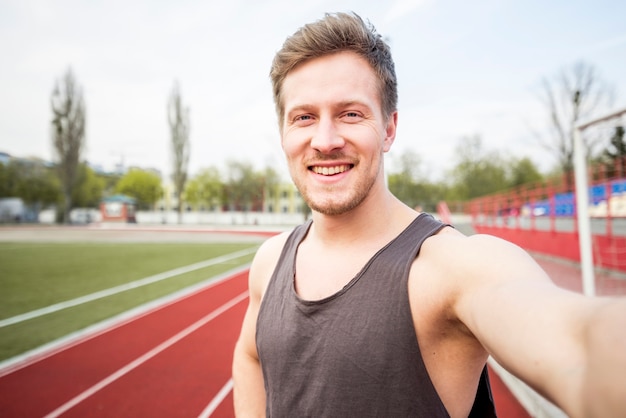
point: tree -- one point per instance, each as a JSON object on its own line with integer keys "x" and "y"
{"x": 244, "y": 187}
{"x": 31, "y": 181}
{"x": 615, "y": 154}
{"x": 9, "y": 179}
{"x": 68, "y": 135}
{"x": 38, "y": 187}
{"x": 523, "y": 171}
{"x": 403, "y": 181}
{"x": 409, "y": 184}
{"x": 572, "y": 96}
{"x": 110, "y": 181}
{"x": 617, "y": 149}
{"x": 88, "y": 192}
{"x": 478, "y": 172}
{"x": 144, "y": 186}
{"x": 178, "y": 118}
{"x": 271, "y": 188}
{"x": 205, "y": 188}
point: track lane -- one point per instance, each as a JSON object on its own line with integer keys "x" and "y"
{"x": 41, "y": 387}
{"x": 177, "y": 381}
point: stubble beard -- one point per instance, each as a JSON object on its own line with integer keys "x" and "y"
{"x": 332, "y": 202}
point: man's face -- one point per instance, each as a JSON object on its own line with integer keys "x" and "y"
{"x": 334, "y": 134}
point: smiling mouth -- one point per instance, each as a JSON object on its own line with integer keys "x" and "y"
{"x": 330, "y": 171}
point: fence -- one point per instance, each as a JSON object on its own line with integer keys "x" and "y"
{"x": 542, "y": 217}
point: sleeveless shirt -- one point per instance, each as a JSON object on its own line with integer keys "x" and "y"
{"x": 354, "y": 353}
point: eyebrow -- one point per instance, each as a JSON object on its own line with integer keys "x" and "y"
{"x": 298, "y": 108}
{"x": 342, "y": 104}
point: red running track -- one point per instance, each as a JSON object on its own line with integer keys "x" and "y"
{"x": 97, "y": 374}
{"x": 169, "y": 362}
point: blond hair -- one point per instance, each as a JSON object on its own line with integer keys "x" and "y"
{"x": 334, "y": 33}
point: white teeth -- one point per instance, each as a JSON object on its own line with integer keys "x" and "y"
{"x": 329, "y": 171}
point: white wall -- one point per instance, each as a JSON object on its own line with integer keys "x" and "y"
{"x": 219, "y": 218}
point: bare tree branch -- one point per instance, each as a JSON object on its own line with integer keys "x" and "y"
{"x": 570, "y": 97}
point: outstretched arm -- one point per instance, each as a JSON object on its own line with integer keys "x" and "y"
{"x": 570, "y": 348}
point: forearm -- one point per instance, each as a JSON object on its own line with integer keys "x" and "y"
{"x": 248, "y": 390}
{"x": 604, "y": 390}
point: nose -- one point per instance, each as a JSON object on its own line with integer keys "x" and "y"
{"x": 327, "y": 138}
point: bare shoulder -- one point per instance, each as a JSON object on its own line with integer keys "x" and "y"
{"x": 264, "y": 263}
{"x": 454, "y": 272}
{"x": 478, "y": 258}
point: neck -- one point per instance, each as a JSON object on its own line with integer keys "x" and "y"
{"x": 380, "y": 215}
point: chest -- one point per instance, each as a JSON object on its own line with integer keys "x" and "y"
{"x": 322, "y": 274}
{"x": 347, "y": 304}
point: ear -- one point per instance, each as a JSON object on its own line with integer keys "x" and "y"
{"x": 390, "y": 131}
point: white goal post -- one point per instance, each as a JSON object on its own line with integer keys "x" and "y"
{"x": 582, "y": 202}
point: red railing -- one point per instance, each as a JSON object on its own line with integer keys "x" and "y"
{"x": 542, "y": 216}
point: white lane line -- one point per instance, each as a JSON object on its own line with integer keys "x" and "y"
{"x": 75, "y": 338}
{"x": 122, "y": 288}
{"x": 147, "y": 356}
{"x": 212, "y": 406}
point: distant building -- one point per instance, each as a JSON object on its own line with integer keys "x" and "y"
{"x": 13, "y": 210}
{"x": 284, "y": 198}
{"x": 118, "y": 208}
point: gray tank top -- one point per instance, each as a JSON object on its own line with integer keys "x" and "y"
{"x": 355, "y": 353}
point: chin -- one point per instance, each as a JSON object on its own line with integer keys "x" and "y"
{"x": 333, "y": 207}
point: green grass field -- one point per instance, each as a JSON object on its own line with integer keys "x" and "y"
{"x": 37, "y": 275}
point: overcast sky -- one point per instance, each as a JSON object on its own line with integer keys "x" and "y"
{"x": 464, "y": 68}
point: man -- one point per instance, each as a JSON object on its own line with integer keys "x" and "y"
{"x": 373, "y": 309}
